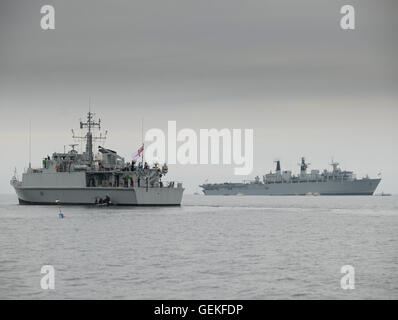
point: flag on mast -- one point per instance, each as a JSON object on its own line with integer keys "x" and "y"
{"x": 138, "y": 153}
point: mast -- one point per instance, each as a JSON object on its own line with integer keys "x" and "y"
{"x": 303, "y": 166}
{"x": 90, "y": 124}
{"x": 334, "y": 165}
{"x": 142, "y": 139}
{"x": 30, "y": 144}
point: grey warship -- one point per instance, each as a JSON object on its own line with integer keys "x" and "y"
{"x": 82, "y": 178}
{"x": 335, "y": 182}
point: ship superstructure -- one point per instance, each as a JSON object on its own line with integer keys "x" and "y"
{"x": 334, "y": 182}
{"x": 84, "y": 178}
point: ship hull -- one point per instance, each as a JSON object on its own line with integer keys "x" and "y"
{"x": 83, "y": 196}
{"x": 354, "y": 187}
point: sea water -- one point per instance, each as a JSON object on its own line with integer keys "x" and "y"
{"x": 212, "y": 247}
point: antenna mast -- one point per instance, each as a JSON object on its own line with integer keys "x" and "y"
{"x": 90, "y": 124}
{"x": 142, "y": 139}
{"x": 30, "y": 144}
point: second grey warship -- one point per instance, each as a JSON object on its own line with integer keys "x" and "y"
{"x": 82, "y": 178}
{"x": 335, "y": 182}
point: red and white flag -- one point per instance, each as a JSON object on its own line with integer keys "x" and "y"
{"x": 139, "y": 152}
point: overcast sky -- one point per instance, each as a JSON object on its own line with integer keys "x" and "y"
{"x": 283, "y": 68}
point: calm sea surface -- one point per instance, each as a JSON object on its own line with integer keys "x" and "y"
{"x": 209, "y": 248}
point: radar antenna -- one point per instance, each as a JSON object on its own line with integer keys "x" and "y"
{"x": 73, "y": 147}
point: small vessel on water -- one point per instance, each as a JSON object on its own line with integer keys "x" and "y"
{"x": 335, "y": 182}
{"x": 80, "y": 178}
{"x": 383, "y": 194}
{"x": 386, "y": 194}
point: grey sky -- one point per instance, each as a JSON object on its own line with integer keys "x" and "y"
{"x": 283, "y": 68}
